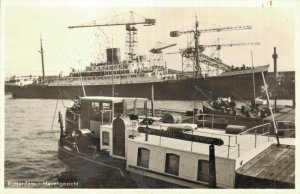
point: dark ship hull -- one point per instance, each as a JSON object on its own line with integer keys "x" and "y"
{"x": 93, "y": 172}
{"x": 238, "y": 83}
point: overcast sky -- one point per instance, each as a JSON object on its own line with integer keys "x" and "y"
{"x": 66, "y": 48}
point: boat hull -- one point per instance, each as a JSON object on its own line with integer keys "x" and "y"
{"x": 94, "y": 173}
{"x": 239, "y": 85}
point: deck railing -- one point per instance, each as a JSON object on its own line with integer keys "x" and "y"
{"x": 233, "y": 141}
{"x": 268, "y": 125}
{"x": 204, "y": 120}
{"x": 212, "y": 123}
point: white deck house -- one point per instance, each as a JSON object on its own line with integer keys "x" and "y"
{"x": 184, "y": 162}
{"x": 173, "y": 160}
{"x": 187, "y": 163}
{"x": 21, "y": 80}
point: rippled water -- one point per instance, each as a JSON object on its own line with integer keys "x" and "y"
{"x": 31, "y": 142}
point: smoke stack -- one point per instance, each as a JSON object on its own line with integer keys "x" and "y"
{"x": 275, "y": 56}
{"x": 113, "y": 56}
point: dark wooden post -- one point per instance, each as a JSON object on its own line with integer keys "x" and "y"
{"x": 212, "y": 167}
{"x": 293, "y": 92}
{"x": 61, "y": 127}
{"x": 146, "y": 134}
{"x": 275, "y": 56}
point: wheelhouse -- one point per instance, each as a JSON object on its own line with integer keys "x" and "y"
{"x": 96, "y": 111}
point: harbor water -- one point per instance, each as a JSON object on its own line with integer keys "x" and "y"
{"x": 31, "y": 134}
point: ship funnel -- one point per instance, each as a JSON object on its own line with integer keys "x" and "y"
{"x": 113, "y": 56}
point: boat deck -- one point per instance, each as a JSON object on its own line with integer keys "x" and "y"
{"x": 284, "y": 114}
{"x": 274, "y": 167}
{"x": 285, "y": 119}
{"x": 229, "y": 149}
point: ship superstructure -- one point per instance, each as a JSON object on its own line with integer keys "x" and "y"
{"x": 115, "y": 71}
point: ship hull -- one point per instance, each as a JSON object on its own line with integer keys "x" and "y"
{"x": 107, "y": 172}
{"x": 236, "y": 85}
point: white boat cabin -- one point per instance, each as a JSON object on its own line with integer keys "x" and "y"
{"x": 166, "y": 157}
{"x": 108, "y": 117}
{"x": 21, "y": 80}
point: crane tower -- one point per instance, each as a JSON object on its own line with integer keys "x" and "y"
{"x": 192, "y": 56}
{"x": 131, "y": 30}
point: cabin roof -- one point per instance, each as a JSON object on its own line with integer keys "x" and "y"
{"x": 110, "y": 99}
{"x": 246, "y": 143}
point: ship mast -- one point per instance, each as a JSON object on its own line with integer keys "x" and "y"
{"x": 112, "y": 68}
{"x": 253, "y": 79}
{"x": 196, "y": 36}
{"x": 42, "y": 57}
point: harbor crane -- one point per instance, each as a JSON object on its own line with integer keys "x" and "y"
{"x": 218, "y": 47}
{"x": 159, "y": 46}
{"x": 193, "y": 59}
{"x": 129, "y": 24}
{"x": 157, "y": 57}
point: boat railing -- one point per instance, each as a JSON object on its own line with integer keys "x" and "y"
{"x": 234, "y": 143}
{"x": 214, "y": 119}
{"x": 160, "y": 112}
{"x": 157, "y": 112}
{"x": 262, "y": 126}
{"x": 262, "y": 132}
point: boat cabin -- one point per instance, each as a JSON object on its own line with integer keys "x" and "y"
{"x": 21, "y": 80}
{"x": 106, "y": 119}
{"x": 185, "y": 160}
{"x": 179, "y": 153}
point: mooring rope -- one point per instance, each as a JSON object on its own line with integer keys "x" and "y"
{"x": 68, "y": 95}
{"x": 61, "y": 99}
{"x": 54, "y": 116}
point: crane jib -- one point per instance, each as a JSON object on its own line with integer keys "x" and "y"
{"x": 149, "y": 22}
{"x": 181, "y": 136}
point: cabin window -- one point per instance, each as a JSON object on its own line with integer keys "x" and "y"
{"x": 105, "y": 138}
{"x": 143, "y": 157}
{"x": 172, "y": 164}
{"x": 95, "y": 111}
{"x": 203, "y": 171}
{"x": 118, "y": 108}
{"x": 105, "y": 113}
{"x": 106, "y": 106}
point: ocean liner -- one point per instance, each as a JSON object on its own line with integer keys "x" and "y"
{"x": 127, "y": 80}
{"x": 136, "y": 75}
